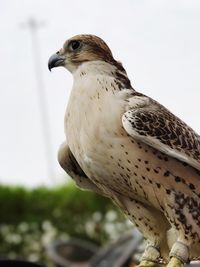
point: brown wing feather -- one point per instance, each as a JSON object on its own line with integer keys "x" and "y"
{"x": 159, "y": 128}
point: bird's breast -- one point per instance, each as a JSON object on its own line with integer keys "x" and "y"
{"x": 98, "y": 140}
{"x": 93, "y": 114}
{"x": 93, "y": 121}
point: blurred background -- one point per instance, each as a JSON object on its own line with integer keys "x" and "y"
{"x": 158, "y": 42}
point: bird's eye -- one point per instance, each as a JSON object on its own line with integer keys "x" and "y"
{"x": 75, "y": 45}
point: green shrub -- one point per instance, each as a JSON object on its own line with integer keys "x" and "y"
{"x": 31, "y": 219}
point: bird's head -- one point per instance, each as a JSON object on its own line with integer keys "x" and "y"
{"x": 80, "y": 49}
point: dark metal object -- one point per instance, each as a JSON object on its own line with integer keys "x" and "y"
{"x": 193, "y": 265}
{"x": 118, "y": 253}
{"x": 16, "y": 263}
{"x": 78, "y": 253}
{"x": 72, "y": 253}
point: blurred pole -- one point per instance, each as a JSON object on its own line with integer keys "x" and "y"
{"x": 33, "y": 26}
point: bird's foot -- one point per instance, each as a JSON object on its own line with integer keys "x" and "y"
{"x": 151, "y": 257}
{"x": 147, "y": 263}
{"x": 174, "y": 262}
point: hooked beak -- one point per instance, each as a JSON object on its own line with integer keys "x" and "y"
{"x": 55, "y": 61}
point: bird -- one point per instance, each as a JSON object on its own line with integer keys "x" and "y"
{"x": 128, "y": 147}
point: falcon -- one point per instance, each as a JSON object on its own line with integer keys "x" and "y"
{"x": 128, "y": 147}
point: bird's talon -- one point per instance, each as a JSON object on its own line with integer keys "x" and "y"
{"x": 174, "y": 262}
{"x": 146, "y": 263}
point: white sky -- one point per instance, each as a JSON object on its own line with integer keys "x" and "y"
{"x": 158, "y": 42}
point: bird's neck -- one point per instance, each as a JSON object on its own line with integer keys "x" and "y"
{"x": 104, "y": 70}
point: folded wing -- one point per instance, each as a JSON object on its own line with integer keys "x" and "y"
{"x": 156, "y": 126}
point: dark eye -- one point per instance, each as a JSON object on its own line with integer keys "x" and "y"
{"x": 75, "y": 45}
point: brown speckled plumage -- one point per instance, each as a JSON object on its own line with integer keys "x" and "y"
{"x": 126, "y": 146}
{"x": 154, "y": 120}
